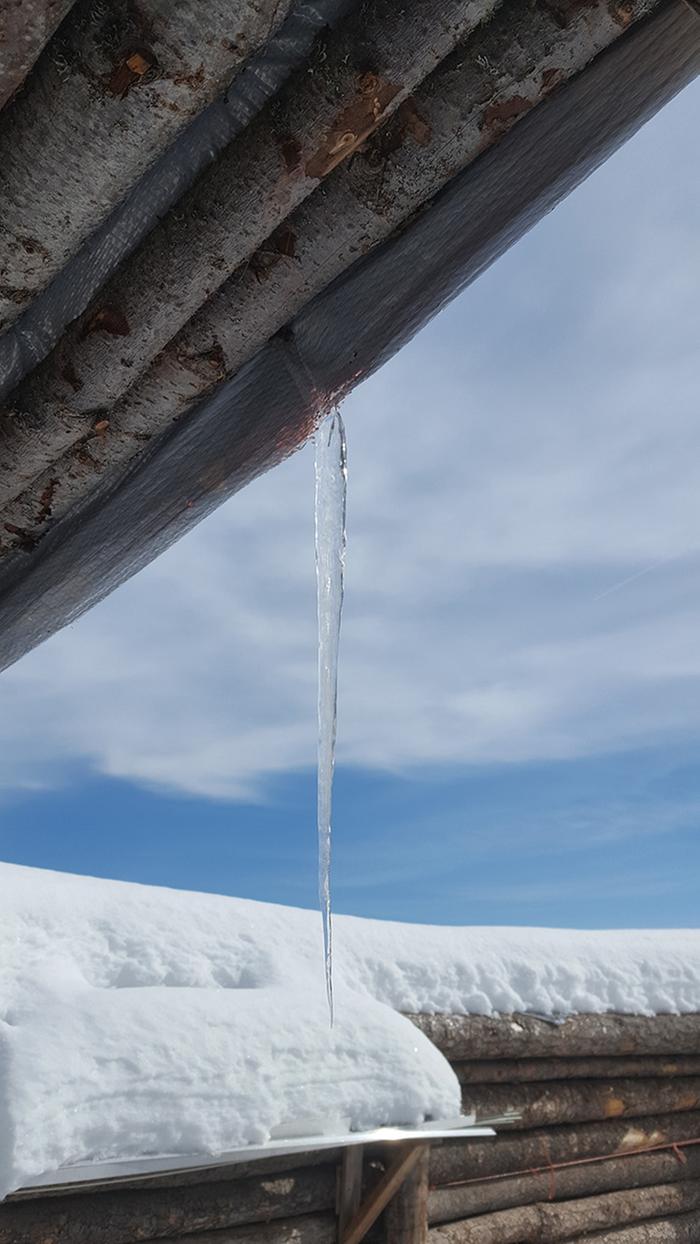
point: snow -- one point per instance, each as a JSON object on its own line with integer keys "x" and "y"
{"x": 137, "y": 1021}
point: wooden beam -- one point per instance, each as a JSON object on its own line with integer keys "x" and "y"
{"x": 407, "y": 1158}
{"x": 349, "y": 1187}
{"x": 406, "y": 1218}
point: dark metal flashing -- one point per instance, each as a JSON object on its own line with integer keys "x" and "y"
{"x": 269, "y": 408}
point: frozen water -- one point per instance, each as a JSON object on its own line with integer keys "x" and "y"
{"x": 330, "y": 498}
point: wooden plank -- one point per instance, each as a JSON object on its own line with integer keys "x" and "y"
{"x": 349, "y": 1186}
{"x": 406, "y": 1218}
{"x": 407, "y": 1157}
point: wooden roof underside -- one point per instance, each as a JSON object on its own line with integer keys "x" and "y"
{"x": 210, "y": 229}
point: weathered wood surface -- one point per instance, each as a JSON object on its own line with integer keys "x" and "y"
{"x": 115, "y": 86}
{"x": 318, "y": 121}
{"x": 454, "y": 115}
{"x": 307, "y": 1229}
{"x": 267, "y": 410}
{"x": 404, "y": 1159}
{"x": 580, "y": 1036}
{"x": 678, "y": 1229}
{"x": 349, "y": 1198}
{"x": 25, "y": 27}
{"x": 134, "y": 1216}
{"x": 406, "y": 1216}
{"x": 550, "y": 1223}
{"x": 582, "y": 1101}
{"x": 519, "y": 1152}
{"x": 564, "y": 1184}
{"x": 534, "y": 1070}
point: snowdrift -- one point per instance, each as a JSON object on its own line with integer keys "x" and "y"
{"x": 143, "y": 1022}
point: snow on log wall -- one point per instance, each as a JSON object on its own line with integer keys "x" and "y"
{"x": 606, "y": 1149}
{"x": 141, "y": 1021}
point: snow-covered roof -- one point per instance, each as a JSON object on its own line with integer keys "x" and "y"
{"x": 137, "y": 1021}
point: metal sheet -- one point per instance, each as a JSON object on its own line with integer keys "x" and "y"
{"x": 99, "y": 1172}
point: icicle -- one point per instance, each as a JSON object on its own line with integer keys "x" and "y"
{"x": 330, "y": 498}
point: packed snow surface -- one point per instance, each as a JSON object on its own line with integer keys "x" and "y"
{"x": 137, "y": 1021}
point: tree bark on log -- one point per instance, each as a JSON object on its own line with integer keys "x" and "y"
{"x": 463, "y": 106}
{"x": 519, "y": 1152}
{"x": 547, "y": 1223}
{"x": 579, "y": 1036}
{"x": 569, "y": 1183}
{"x": 324, "y": 115}
{"x": 534, "y": 1070}
{"x": 115, "y": 86}
{"x": 27, "y": 27}
{"x": 678, "y": 1229}
{"x": 581, "y": 1101}
{"x": 114, "y": 1217}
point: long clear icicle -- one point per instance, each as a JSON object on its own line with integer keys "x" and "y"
{"x": 330, "y": 498}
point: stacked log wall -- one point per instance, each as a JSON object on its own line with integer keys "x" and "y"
{"x": 606, "y": 1149}
{"x": 606, "y": 1145}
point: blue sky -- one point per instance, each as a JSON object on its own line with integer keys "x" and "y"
{"x": 519, "y": 707}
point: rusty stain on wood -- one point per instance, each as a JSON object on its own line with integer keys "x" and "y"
{"x": 550, "y": 78}
{"x": 291, "y": 152}
{"x": 499, "y": 114}
{"x": 133, "y": 65}
{"x": 107, "y": 320}
{"x": 353, "y": 125}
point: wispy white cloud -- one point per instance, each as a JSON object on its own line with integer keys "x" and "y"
{"x": 535, "y": 448}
